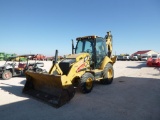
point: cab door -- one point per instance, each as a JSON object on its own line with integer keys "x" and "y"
{"x": 101, "y": 51}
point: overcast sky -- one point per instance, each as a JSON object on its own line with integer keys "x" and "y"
{"x": 42, "y": 26}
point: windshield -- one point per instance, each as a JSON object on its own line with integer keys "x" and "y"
{"x": 101, "y": 47}
{"x": 154, "y": 56}
{"x": 84, "y": 46}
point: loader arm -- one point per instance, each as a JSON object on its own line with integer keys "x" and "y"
{"x": 55, "y": 67}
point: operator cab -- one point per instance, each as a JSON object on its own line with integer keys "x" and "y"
{"x": 95, "y": 46}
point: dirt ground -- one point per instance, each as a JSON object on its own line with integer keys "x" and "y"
{"x": 133, "y": 95}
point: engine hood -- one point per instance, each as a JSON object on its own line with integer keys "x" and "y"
{"x": 78, "y": 56}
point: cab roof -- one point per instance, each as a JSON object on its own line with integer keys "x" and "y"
{"x": 87, "y": 37}
{"x": 25, "y": 55}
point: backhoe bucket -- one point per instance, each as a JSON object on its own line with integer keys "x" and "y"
{"x": 48, "y": 88}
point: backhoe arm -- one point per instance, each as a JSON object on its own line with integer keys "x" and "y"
{"x": 108, "y": 38}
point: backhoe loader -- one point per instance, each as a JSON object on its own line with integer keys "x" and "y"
{"x": 91, "y": 60}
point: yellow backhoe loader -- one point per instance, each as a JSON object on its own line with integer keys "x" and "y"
{"x": 91, "y": 60}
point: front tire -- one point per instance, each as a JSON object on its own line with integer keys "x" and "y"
{"x": 108, "y": 74}
{"x": 6, "y": 75}
{"x": 86, "y": 83}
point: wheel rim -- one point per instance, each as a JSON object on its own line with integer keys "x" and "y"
{"x": 110, "y": 73}
{"x": 89, "y": 83}
{"x": 7, "y": 75}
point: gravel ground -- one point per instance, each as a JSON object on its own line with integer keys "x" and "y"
{"x": 133, "y": 95}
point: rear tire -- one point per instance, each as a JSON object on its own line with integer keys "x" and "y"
{"x": 108, "y": 74}
{"x": 6, "y": 75}
{"x": 86, "y": 83}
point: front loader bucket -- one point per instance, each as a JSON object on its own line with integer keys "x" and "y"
{"x": 48, "y": 88}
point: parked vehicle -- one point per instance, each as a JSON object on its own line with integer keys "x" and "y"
{"x": 4, "y": 56}
{"x": 53, "y": 59}
{"x": 126, "y": 57}
{"x": 119, "y": 57}
{"x": 154, "y": 60}
{"x": 136, "y": 57}
{"x": 13, "y": 68}
{"x": 49, "y": 58}
{"x": 144, "y": 57}
{"x": 38, "y": 57}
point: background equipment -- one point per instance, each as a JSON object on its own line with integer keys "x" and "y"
{"x": 13, "y": 68}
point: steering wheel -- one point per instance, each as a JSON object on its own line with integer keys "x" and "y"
{"x": 14, "y": 64}
{"x": 9, "y": 63}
